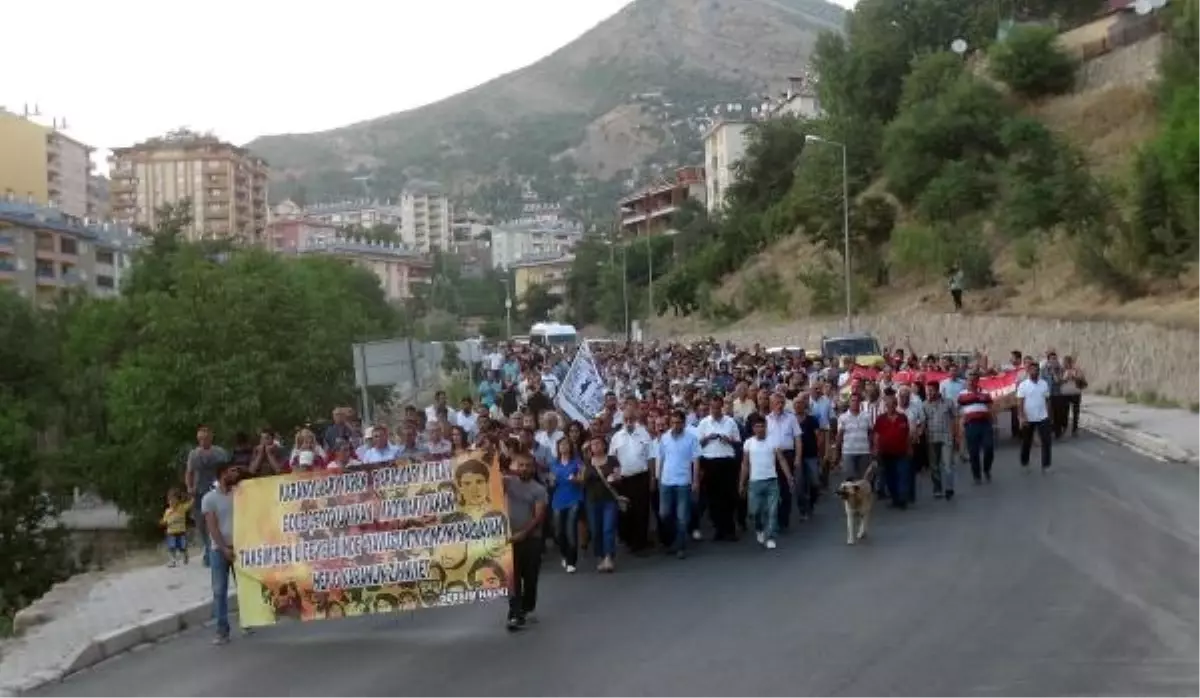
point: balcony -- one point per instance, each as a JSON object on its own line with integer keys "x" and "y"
{"x": 45, "y": 275}
{"x": 8, "y": 265}
{"x": 8, "y": 242}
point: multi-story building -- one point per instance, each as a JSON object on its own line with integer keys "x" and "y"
{"x": 345, "y": 214}
{"x": 42, "y": 165}
{"x": 44, "y": 251}
{"x": 517, "y": 241}
{"x": 724, "y": 146}
{"x": 650, "y": 210}
{"x": 425, "y": 217}
{"x": 293, "y": 234}
{"x": 226, "y": 185}
{"x": 467, "y": 226}
{"x": 549, "y": 272}
{"x": 399, "y": 268}
{"x": 98, "y": 198}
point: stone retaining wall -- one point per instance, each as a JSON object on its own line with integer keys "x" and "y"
{"x": 1120, "y": 356}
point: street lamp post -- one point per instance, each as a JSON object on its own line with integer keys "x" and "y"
{"x": 612, "y": 262}
{"x": 625, "y": 288}
{"x": 845, "y": 218}
{"x": 507, "y": 307}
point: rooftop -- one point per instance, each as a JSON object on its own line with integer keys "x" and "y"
{"x": 360, "y": 246}
{"x": 542, "y": 260}
{"x": 184, "y": 139}
{"x": 44, "y": 218}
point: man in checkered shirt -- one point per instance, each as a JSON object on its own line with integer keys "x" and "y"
{"x": 941, "y": 433}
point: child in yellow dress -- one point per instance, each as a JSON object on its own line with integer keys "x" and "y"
{"x": 175, "y": 519}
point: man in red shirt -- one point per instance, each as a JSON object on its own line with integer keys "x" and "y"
{"x": 893, "y": 449}
{"x": 975, "y": 409}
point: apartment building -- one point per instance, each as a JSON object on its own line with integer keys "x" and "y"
{"x": 226, "y": 185}
{"x": 425, "y": 218}
{"x": 399, "y": 268}
{"x": 650, "y": 210}
{"x": 40, "y": 164}
{"x": 549, "y": 272}
{"x": 293, "y": 234}
{"x": 724, "y": 146}
{"x": 364, "y": 213}
{"x": 44, "y": 251}
{"x": 517, "y": 241}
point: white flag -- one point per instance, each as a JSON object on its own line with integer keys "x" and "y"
{"x": 581, "y": 394}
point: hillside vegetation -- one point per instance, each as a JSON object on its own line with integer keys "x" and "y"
{"x": 951, "y": 167}
{"x": 520, "y": 125}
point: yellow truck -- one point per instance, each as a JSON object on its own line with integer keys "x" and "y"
{"x": 864, "y": 349}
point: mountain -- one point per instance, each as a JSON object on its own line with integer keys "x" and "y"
{"x": 623, "y": 95}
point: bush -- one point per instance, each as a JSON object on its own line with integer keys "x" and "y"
{"x": 764, "y": 291}
{"x": 961, "y": 188}
{"x": 1031, "y": 63}
{"x": 930, "y": 250}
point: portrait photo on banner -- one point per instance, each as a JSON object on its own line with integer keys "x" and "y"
{"x": 414, "y": 534}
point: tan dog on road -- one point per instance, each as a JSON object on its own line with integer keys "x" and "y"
{"x": 858, "y": 497}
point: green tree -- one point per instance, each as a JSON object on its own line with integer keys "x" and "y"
{"x": 234, "y": 340}
{"x": 962, "y": 123}
{"x": 538, "y": 303}
{"x": 32, "y": 548}
{"x": 1031, "y": 62}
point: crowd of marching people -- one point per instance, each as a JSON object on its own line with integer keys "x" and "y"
{"x": 693, "y": 442}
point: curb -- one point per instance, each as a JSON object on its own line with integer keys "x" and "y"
{"x": 1144, "y": 443}
{"x": 117, "y": 642}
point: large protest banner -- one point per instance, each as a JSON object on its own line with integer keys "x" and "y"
{"x": 371, "y": 539}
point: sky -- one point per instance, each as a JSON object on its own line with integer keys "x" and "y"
{"x": 122, "y": 71}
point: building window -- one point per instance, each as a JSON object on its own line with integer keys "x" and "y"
{"x": 105, "y": 282}
{"x": 8, "y": 263}
{"x": 45, "y": 242}
{"x": 105, "y": 257}
{"x": 44, "y": 269}
{"x": 68, "y": 245}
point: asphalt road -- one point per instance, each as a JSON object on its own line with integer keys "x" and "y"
{"x": 1081, "y": 582}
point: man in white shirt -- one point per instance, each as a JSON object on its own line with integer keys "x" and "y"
{"x": 548, "y": 436}
{"x": 719, "y": 437}
{"x": 466, "y": 419}
{"x": 783, "y": 431}
{"x": 854, "y": 428}
{"x": 1033, "y": 410}
{"x": 634, "y": 449}
{"x": 439, "y": 402}
{"x": 761, "y": 465}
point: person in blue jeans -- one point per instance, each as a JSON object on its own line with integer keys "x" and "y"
{"x": 600, "y": 475}
{"x": 217, "y": 508}
{"x": 567, "y": 470}
{"x": 678, "y": 475}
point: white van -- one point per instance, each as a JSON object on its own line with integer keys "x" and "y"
{"x": 552, "y": 334}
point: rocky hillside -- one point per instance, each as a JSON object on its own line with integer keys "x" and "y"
{"x": 541, "y": 122}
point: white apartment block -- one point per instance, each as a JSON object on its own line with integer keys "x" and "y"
{"x": 517, "y": 241}
{"x": 724, "y": 146}
{"x": 425, "y": 218}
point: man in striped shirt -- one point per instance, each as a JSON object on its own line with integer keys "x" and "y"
{"x": 975, "y": 408}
